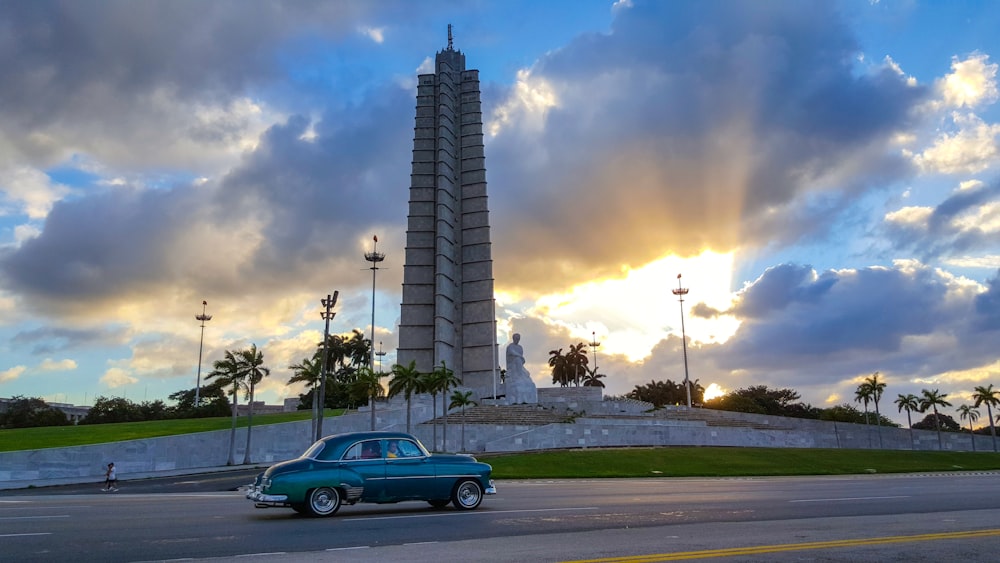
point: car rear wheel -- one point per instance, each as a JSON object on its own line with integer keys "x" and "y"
{"x": 324, "y": 501}
{"x": 439, "y": 503}
{"x": 467, "y": 495}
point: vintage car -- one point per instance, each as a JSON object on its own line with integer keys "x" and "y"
{"x": 379, "y": 467}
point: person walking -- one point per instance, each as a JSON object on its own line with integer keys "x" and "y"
{"x": 111, "y": 478}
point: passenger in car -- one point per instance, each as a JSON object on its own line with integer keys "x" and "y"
{"x": 371, "y": 450}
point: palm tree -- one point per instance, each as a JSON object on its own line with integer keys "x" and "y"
{"x": 863, "y": 394}
{"x": 910, "y": 403}
{"x": 593, "y": 379}
{"x": 877, "y": 387}
{"x": 252, "y": 364}
{"x": 560, "y": 369}
{"x": 309, "y": 372}
{"x": 934, "y": 399}
{"x": 358, "y": 349}
{"x": 461, "y": 400}
{"x": 428, "y": 385}
{"x": 697, "y": 392}
{"x": 369, "y": 381}
{"x": 228, "y": 371}
{"x": 991, "y": 398}
{"x": 405, "y": 380}
{"x": 576, "y": 361}
{"x": 329, "y": 356}
{"x": 970, "y": 413}
{"x": 443, "y": 380}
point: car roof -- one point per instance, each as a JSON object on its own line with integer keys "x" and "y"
{"x": 376, "y": 435}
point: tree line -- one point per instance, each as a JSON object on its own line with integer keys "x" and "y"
{"x": 760, "y": 399}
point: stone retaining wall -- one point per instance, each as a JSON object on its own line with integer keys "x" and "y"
{"x": 608, "y": 426}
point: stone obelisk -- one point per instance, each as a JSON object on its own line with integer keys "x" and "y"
{"x": 447, "y": 313}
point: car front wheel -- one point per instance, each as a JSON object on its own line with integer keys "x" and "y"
{"x": 324, "y": 501}
{"x": 468, "y": 494}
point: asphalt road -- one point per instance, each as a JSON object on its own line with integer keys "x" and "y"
{"x": 865, "y": 518}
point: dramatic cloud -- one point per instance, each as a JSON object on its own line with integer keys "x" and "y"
{"x": 966, "y": 222}
{"x": 28, "y": 191}
{"x": 685, "y": 130}
{"x": 117, "y": 377}
{"x": 972, "y": 82}
{"x": 973, "y": 148}
{"x": 12, "y": 373}
{"x": 165, "y": 76}
{"x": 57, "y": 365}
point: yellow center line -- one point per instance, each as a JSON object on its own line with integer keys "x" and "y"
{"x": 756, "y": 550}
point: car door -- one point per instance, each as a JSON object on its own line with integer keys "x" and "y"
{"x": 364, "y": 461}
{"x": 408, "y": 476}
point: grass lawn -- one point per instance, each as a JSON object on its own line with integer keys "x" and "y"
{"x": 63, "y": 436}
{"x": 730, "y": 462}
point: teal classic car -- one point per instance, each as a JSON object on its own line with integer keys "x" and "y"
{"x": 379, "y": 467}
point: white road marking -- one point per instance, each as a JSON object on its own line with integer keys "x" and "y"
{"x": 19, "y": 535}
{"x": 847, "y": 499}
{"x": 33, "y": 517}
{"x": 420, "y": 543}
{"x": 348, "y": 548}
{"x": 470, "y": 513}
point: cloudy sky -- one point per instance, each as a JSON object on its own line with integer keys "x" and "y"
{"x": 825, "y": 176}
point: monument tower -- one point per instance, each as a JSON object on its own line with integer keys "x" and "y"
{"x": 447, "y": 313}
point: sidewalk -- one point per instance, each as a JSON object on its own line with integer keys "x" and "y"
{"x": 37, "y": 483}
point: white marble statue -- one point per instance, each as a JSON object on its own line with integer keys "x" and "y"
{"x": 519, "y": 386}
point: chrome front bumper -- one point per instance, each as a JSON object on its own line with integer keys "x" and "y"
{"x": 262, "y": 500}
{"x": 492, "y": 489}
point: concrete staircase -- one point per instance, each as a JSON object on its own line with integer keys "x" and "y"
{"x": 713, "y": 417}
{"x": 507, "y": 415}
{"x": 539, "y": 415}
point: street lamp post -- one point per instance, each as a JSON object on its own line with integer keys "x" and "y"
{"x": 594, "y": 344}
{"x": 374, "y": 257}
{"x": 319, "y": 401}
{"x": 380, "y": 353}
{"x": 496, "y": 355}
{"x": 680, "y": 292}
{"x": 203, "y": 318}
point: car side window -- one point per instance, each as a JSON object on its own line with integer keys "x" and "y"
{"x": 326, "y": 454}
{"x": 371, "y": 449}
{"x": 409, "y": 449}
{"x": 354, "y": 452}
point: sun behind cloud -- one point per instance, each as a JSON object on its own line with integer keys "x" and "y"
{"x": 635, "y": 311}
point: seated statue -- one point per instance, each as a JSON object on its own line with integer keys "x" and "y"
{"x": 519, "y": 386}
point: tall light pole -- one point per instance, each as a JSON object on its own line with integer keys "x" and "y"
{"x": 327, "y": 313}
{"x": 203, "y": 318}
{"x": 380, "y": 353}
{"x": 680, "y": 292}
{"x": 594, "y": 344}
{"x": 374, "y": 257}
{"x": 496, "y": 355}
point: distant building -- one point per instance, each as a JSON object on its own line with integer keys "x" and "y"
{"x": 447, "y": 312}
{"x": 73, "y": 413}
{"x": 259, "y": 408}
